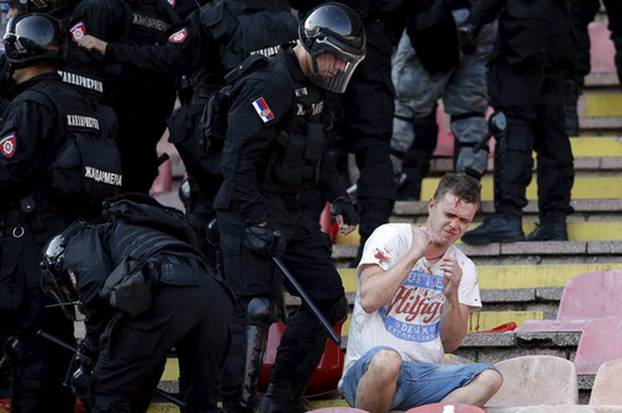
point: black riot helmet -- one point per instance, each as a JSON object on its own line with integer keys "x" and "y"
{"x": 333, "y": 28}
{"x": 33, "y": 38}
{"x": 57, "y": 282}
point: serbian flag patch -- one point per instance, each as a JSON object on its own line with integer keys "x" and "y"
{"x": 179, "y": 36}
{"x": 263, "y": 110}
{"x": 7, "y": 146}
{"x": 78, "y": 30}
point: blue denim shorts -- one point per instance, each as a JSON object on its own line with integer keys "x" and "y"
{"x": 418, "y": 383}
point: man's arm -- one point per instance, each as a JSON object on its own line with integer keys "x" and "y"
{"x": 455, "y": 316}
{"x": 187, "y": 49}
{"x": 249, "y": 136}
{"x": 377, "y": 286}
{"x": 25, "y": 129}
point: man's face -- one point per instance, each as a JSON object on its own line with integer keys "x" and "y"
{"x": 329, "y": 65}
{"x": 449, "y": 218}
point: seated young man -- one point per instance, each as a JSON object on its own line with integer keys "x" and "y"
{"x": 415, "y": 293}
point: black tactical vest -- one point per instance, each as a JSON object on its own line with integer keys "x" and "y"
{"x": 295, "y": 161}
{"x": 83, "y": 158}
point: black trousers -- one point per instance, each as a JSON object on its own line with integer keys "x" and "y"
{"x": 193, "y": 319}
{"x": 533, "y": 104}
{"x": 40, "y": 367}
{"x": 583, "y": 13}
{"x": 364, "y": 124}
{"x": 142, "y": 121}
{"x": 306, "y": 251}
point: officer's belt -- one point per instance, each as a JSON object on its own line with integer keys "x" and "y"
{"x": 11, "y": 222}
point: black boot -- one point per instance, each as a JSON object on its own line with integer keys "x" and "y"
{"x": 283, "y": 400}
{"x": 552, "y": 228}
{"x": 502, "y": 227}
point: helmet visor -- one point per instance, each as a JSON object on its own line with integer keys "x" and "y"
{"x": 50, "y": 287}
{"x": 336, "y": 78}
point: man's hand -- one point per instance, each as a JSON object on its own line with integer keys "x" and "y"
{"x": 91, "y": 43}
{"x": 452, "y": 275}
{"x": 467, "y": 38}
{"x": 421, "y": 240}
{"x": 345, "y": 215}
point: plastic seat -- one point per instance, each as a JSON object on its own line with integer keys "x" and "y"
{"x": 327, "y": 374}
{"x": 563, "y": 408}
{"x": 586, "y": 297}
{"x": 446, "y": 408}
{"x": 601, "y": 341}
{"x": 536, "y": 380}
{"x": 607, "y": 384}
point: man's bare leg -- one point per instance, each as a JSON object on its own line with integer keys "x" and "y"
{"x": 478, "y": 391}
{"x": 376, "y": 389}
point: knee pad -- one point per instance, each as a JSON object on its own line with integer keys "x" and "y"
{"x": 261, "y": 311}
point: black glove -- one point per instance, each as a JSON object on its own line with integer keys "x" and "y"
{"x": 343, "y": 206}
{"x": 467, "y": 36}
{"x": 258, "y": 239}
{"x": 78, "y": 377}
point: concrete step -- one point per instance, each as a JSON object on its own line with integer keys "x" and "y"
{"x": 514, "y": 277}
{"x": 577, "y": 231}
{"x": 521, "y": 252}
{"x": 601, "y": 103}
{"x": 605, "y": 186}
{"x": 590, "y": 153}
{"x": 585, "y": 209}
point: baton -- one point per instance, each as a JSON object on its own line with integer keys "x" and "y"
{"x": 163, "y": 394}
{"x": 305, "y": 298}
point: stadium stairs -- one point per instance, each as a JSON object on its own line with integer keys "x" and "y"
{"x": 524, "y": 280}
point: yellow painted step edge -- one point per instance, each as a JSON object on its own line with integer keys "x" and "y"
{"x": 512, "y": 276}
{"x": 577, "y": 231}
{"x": 592, "y": 187}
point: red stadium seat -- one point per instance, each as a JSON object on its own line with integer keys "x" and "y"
{"x": 607, "y": 384}
{"x": 586, "y": 297}
{"x": 446, "y": 408}
{"x": 601, "y": 341}
{"x": 327, "y": 374}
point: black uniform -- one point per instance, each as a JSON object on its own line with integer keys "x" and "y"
{"x": 582, "y": 14}
{"x": 532, "y": 56}
{"x": 142, "y": 100}
{"x": 190, "y": 309}
{"x": 363, "y": 121}
{"x": 38, "y": 174}
{"x": 274, "y": 150}
{"x": 210, "y": 43}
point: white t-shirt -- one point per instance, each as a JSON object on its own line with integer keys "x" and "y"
{"x": 410, "y": 322}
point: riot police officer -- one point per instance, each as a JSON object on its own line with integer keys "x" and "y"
{"x": 422, "y": 75}
{"x": 532, "y": 56}
{"x": 582, "y": 14}
{"x": 210, "y": 43}
{"x": 274, "y": 149}
{"x": 58, "y": 159}
{"x": 144, "y": 289}
{"x": 76, "y": 72}
{"x": 142, "y": 100}
{"x": 363, "y": 114}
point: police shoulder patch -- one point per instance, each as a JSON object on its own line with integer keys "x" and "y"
{"x": 78, "y": 30}
{"x": 263, "y": 110}
{"x": 179, "y": 36}
{"x": 8, "y": 144}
